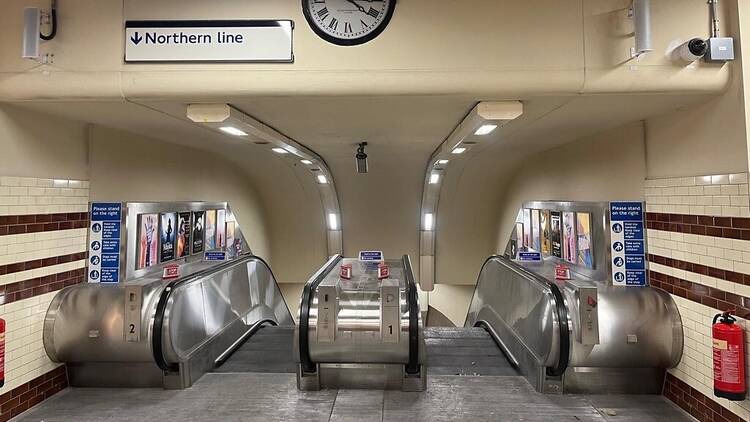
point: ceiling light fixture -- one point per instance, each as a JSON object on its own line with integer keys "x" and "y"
{"x": 322, "y": 179}
{"x": 442, "y": 162}
{"x": 306, "y": 162}
{"x": 485, "y": 129}
{"x": 459, "y": 150}
{"x": 232, "y": 131}
{"x": 279, "y": 150}
{"x": 434, "y": 178}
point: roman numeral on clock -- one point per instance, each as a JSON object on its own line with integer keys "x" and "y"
{"x": 322, "y": 13}
{"x": 347, "y": 27}
{"x": 334, "y": 24}
{"x": 374, "y": 13}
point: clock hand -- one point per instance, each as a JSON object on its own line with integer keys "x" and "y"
{"x": 361, "y": 9}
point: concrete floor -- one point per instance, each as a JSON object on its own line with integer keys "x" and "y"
{"x": 229, "y": 397}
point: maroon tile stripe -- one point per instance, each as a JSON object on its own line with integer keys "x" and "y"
{"x": 38, "y": 286}
{"x": 35, "y": 223}
{"x": 728, "y": 227}
{"x": 709, "y": 296}
{"x": 700, "y": 406}
{"x": 39, "y": 263}
{"x": 27, "y": 395}
{"x": 732, "y": 276}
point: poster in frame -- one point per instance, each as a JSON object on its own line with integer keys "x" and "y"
{"x": 209, "y": 230}
{"x": 183, "y": 234}
{"x": 570, "y": 252}
{"x": 583, "y": 233}
{"x": 198, "y": 232}
{"x": 167, "y": 236}
{"x": 556, "y": 233}
{"x": 148, "y": 242}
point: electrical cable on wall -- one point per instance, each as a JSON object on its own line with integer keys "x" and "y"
{"x": 53, "y": 31}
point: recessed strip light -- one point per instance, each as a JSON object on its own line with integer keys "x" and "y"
{"x": 333, "y": 221}
{"x": 485, "y": 130}
{"x": 429, "y": 221}
{"x": 322, "y": 179}
{"x": 231, "y": 130}
{"x": 306, "y": 162}
{"x": 459, "y": 150}
{"x": 434, "y": 178}
{"x": 442, "y": 162}
{"x": 279, "y": 150}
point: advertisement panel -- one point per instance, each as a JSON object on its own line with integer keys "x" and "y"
{"x": 147, "y": 241}
{"x": 221, "y": 218}
{"x": 183, "y": 235}
{"x": 167, "y": 236}
{"x": 570, "y": 253}
{"x": 209, "y": 230}
{"x": 536, "y": 240}
{"x": 198, "y": 231}
{"x": 583, "y": 231}
{"x": 556, "y": 233}
{"x": 544, "y": 225}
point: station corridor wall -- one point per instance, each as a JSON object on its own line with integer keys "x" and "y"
{"x": 44, "y": 193}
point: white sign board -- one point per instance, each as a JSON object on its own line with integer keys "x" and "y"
{"x": 209, "y": 41}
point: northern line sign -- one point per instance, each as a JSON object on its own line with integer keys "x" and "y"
{"x": 241, "y": 41}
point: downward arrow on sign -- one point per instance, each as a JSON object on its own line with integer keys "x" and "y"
{"x": 136, "y": 38}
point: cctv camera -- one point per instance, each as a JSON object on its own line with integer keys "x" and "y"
{"x": 361, "y": 158}
{"x": 693, "y": 50}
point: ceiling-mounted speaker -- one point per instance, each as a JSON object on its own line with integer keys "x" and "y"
{"x": 31, "y": 28}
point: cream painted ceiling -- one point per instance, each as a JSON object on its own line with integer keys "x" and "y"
{"x": 404, "y": 127}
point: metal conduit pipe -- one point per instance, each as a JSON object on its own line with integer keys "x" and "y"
{"x": 642, "y": 22}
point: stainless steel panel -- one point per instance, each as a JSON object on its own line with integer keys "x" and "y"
{"x": 358, "y": 336}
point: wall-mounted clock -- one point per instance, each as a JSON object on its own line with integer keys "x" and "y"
{"x": 348, "y": 22}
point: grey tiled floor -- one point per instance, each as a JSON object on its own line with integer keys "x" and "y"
{"x": 468, "y": 379}
{"x": 274, "y": 397}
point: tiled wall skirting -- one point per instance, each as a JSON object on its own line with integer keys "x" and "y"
{"x": 699, "y": 252}
{"x": 43, "y": 224}
{"x": 31, "y": 393}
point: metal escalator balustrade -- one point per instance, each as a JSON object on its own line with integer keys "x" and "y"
{"x": 537, "y": 322}
{"x": 361, "y": 332}
{"x": 187, "y": 326}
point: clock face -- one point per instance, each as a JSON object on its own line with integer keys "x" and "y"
{"x": 348, "y": 22}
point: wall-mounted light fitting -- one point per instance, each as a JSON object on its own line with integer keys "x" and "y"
{"x": 429, "y": 221}
{"x": 485, "y": 130}
{"x": 231, "y": 130}
{"x": 333, "y": 221}
{"x": 484, "y": 119}
{"x": 229, "y": 121}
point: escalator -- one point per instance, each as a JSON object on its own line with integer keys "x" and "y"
{"x": 148, "y": 333}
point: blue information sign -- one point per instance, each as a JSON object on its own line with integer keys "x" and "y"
{"x": 215, "y": 256}
{"x": 371, "y": 256}
{"x": 628, "y": 244}
{"x": 104, "y": 242}
{"x": 529, "y": 256}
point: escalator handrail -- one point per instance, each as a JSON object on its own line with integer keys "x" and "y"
{"x": 306, "y": 362}
{"x": 561, "y": 310}
{"x": 412, "y": 367}
{"x": 166, "y": 294}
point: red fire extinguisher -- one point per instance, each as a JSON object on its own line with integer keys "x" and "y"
{"x": 729, "y": 358}
{"x": 2, "y": 352}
